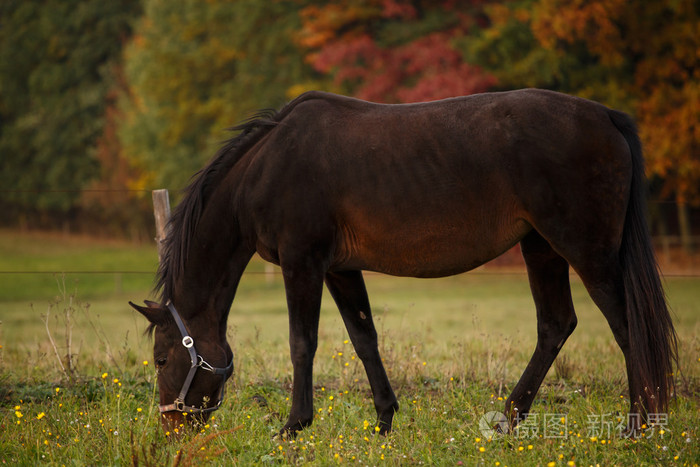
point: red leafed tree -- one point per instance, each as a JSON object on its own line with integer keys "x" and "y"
{"x": 393, "y": 50}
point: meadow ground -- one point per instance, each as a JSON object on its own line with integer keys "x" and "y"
{"x": 77, "y": 378}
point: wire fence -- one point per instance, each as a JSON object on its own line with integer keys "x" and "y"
{"x": 659, "y": 241}
{"x": 277, "y": 272}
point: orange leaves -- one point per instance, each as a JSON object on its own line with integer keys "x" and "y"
{"x": 320, "y": 25}
{"x": 668, "y": 119}
{"x": 343, "y": 20}
{"x": 633, "y": 53}
{"x": 593, "y": 22}
{"x": 667, "y": 82}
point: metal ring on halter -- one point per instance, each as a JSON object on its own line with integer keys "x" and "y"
{"x": 196, "y": 361}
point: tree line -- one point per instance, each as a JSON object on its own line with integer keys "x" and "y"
{"x": 101, "y": 102}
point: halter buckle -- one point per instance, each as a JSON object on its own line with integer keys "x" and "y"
{"x": 204, "y": 365}
{"x": 188, "y": 342}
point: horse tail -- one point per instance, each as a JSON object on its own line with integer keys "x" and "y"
{"x": 653, "y": 341}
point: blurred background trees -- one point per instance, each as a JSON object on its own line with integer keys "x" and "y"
{"x": 98, "y": 98}
{"x": 56, "y": 68}
{"x": 196, "y": 68}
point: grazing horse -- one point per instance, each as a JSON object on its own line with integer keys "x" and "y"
{"x": 330, "y": 186}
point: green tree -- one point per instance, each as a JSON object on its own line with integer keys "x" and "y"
{"x": 196, "y": 68}
{"x": 512, "y": 45}
{"x": 54, "y": 55}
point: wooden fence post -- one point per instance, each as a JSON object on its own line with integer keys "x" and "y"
{"x": 161, "y": 211}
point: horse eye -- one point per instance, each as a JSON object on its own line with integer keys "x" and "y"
{"x": 161, "y": 361}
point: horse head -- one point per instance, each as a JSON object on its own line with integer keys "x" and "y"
{"x": 192, "y": 366}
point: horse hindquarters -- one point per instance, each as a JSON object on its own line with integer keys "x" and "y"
{"x": 634, "y": 302}
{"x": 651, "y": 332}
{"x": 621, "y": 275}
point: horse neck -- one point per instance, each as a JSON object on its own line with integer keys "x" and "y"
{"x": 214, "y": 265}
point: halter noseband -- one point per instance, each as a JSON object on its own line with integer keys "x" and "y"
{"x": 196, "y": 362}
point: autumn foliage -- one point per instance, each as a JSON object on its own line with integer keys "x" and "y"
{"x": 655, "y": 48}
{"x": 191, "y": 69}
{"x": 350, "y": 43}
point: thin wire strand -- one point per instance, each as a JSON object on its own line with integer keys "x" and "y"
{"x": 279, "y": 272}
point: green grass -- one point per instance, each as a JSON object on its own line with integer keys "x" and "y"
{"x": 453, "y": 348}
{"x": 32, "y": 264}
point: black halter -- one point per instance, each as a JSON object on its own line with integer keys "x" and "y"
{"x": 196, "y": 362}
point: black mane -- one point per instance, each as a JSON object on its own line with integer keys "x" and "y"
{"x": 183, "y": 222}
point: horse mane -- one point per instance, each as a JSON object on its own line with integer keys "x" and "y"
{"x": 185, "y": 217}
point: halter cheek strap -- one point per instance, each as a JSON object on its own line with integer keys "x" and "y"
{"x": 196, "y": 361}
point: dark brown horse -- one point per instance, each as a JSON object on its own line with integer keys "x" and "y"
{"x": 330, "y": 186}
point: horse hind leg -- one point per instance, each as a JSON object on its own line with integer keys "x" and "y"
{"x": 604, "y": 278}
{"x": 548, "y": 273}
{"x": 605, "y": 285}
{"x": 349, "y": 292}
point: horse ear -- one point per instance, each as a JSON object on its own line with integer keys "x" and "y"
{"x": 153, "y": 312}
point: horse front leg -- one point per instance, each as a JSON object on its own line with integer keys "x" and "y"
{"x": 349, "y": 292}
{"x": 304, "y": 289}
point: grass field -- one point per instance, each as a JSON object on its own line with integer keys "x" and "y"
{"x": 453, "y": 348}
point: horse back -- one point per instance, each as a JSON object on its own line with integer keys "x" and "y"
{"x": 427, "y": 189}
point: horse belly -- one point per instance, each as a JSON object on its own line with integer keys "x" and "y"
{"x": 424, "y": 248}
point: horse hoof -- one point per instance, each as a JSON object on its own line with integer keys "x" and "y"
{"x": 382, "y": 428}
{"x": 286, "y": 434}
{"x": 280, "y": 436}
